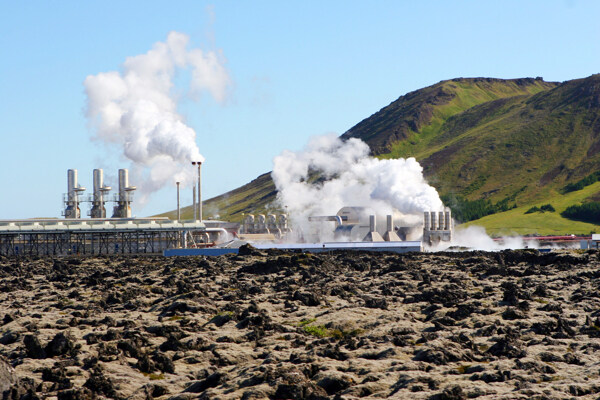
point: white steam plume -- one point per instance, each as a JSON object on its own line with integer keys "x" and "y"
{"x": 351, "y": 178}
{"x": 137, "y": 110}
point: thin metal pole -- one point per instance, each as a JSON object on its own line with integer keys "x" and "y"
{"x": 178, "y": 209}
{"x": 194, "y": 202}
{"x": 199, "y": 192}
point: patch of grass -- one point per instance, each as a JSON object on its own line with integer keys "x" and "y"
{"x": 319, "y": 331}
{"x": 225, "y": 314}
{"x": 462, "y": 369}
{"x": 154, "y": 377}
{"x": 305, "y": 322}
{"x": 175, "y": 318}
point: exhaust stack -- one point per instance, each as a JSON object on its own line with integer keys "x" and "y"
{"x": 123, "y": 207}
{"x": 98, "y": 210}
{"x": 72, "y": 199}
{"x": 437, "y": 226}
{"x": 199, "y": 204}
{"x": 373, "y": 235}
{"x": 390, "y": 234}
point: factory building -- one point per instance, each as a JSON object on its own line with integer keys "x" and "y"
{"x": 120, "y": 234}
{"x": 352, "y": 228}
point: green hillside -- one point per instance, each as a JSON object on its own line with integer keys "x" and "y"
{"x": 548, "y": 223}
{"x": 254, "y": 197}
{"x": 518, "y": 141}
{"x": 412, "y": 122}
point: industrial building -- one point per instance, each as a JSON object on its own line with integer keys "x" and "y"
{"x": 352, "y": 228}
{"x": 121, "y": 234}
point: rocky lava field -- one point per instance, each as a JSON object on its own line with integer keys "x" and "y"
{"x": 274, "y": 325}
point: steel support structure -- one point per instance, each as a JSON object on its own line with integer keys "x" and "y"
{"x": 89, "y": 242}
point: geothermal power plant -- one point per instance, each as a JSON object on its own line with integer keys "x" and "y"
{"x": 97, "y": 233}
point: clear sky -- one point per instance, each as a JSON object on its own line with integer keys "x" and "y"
{"x": 298, "y": 69}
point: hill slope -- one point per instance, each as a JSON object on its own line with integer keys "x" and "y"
{"x": 416, "y": 117}
{"x": 524, "y": 147}
{"x": 515, "y": 140}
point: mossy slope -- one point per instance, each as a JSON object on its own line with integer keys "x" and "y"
{"x": 479, "y": 138}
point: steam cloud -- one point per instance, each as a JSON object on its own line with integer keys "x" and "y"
{"x": 137, "y": 110}
{"x": 351, "y": 178}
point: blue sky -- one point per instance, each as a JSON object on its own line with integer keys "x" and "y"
{"x": 298, "y": 69}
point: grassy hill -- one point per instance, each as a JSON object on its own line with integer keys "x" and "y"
{"x": 516, "y": 140}
{"x": 515, "y": 221}
{"x": 254, "y": 197}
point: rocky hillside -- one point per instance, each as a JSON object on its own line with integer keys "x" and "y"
{"x": 272, "y": 325}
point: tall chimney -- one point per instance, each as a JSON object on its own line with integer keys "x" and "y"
{"x": 72, "y": 202}
{"x": 373, "y": 235}
{"x": 448, "y": 222}
{"x": 390, "y": 234}
{"x": 98, "y": 210}
{"x": 123, "y": 207}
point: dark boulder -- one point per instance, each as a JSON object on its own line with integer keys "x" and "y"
{"x": 62, "y": 344}
{"x": 309, "y": 299}
{"x": 212, "y": 380}
{"x": 33, "y": 347}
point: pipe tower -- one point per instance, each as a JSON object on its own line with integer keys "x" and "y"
{"x": 98, "y": 210}
{"x": 123, "y": 207}
{"x": 72, "y": 200}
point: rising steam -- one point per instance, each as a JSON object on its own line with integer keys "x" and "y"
{"x": 136, "y": 109}
{"x": 330, "y": 173}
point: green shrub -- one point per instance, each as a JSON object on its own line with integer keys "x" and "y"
{"x": 544, "y": 208}
{"x": 465, "y": 210}
{"x": 548, "y": 207}
{"x": 587, "y": 212}
{"x": 588, "y": 180}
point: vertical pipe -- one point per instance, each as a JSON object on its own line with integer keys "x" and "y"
{"x": 123, "y": 181}
{"x": 97, "y": 184}
{"x": 447, "y": 222}
{"x": 178, "y": 209}
{"x": 372, "y": 225}
{"x": 194, "y": 201}
{"x": 433, "y": 220}
{"x": 71, "y": 182}
{"x": 199, "y": 192}
{"x": 426, "y": 220}
{"x": 390, "y": 223}
{"x": 441, "y": 220}
{"x": 73, "y": 189}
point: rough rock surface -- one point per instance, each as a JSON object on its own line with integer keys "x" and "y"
{"x": 274, "y": 325}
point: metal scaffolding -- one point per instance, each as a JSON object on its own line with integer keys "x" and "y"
{"x": 100, "y": 237}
